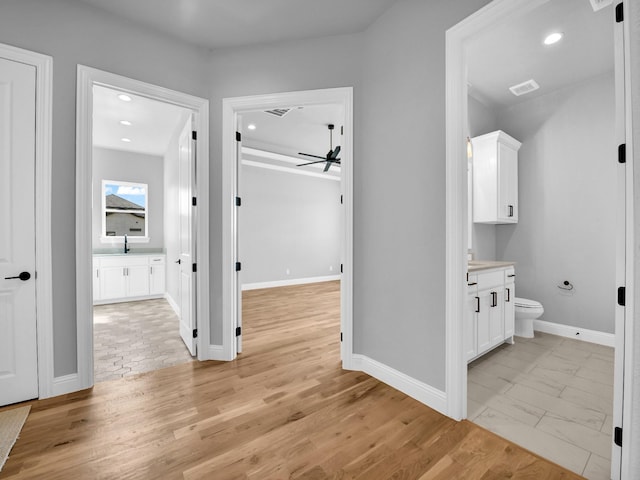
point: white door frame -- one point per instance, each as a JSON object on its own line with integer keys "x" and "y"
{"x": 87, "y": 78}
{"x": 457, "y": 209}
{"x": 231, "y": 108}
{"x": 44, "y": 309}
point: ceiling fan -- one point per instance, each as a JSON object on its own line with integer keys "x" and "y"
{"x": 330, "y": 158}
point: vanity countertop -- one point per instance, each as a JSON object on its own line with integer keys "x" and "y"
{"x": 130, "y": 254}
{"x": 478, "y": 265}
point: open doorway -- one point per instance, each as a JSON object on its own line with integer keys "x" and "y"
{"x": 138, "y": 211}
{"x": 237, "y": 115}
{"x": 553, "y": 391}
{"x": 139, "y": 307}
{"x": 290, "y": 224}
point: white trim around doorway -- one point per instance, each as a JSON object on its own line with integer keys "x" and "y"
{"x": 87, "y": 78}
{"x": 231, "y": 109}
{"x": 456, "y": 210}
{"x": 44, "y": 300}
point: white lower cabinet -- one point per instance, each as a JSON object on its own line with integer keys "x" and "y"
{"x": 491, "y": 314}
{"x": 123, "y": 277}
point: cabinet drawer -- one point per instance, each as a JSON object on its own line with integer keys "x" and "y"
{"x": 159, "y": 260}
{"x": 122, "y": 261}
{"x": 490, "y": 279}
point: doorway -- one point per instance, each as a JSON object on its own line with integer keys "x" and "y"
{"x": 233, "y": 110}
{"x": 126, "y": 211}
{"x": 458, "y": 40}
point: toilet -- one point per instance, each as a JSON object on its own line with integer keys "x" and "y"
{"x": 526, "y": 312}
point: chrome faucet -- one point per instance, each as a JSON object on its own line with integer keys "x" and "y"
{"x": 126, "y": 248}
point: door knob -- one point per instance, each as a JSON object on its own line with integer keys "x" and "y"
{"x": 24, "y": 276}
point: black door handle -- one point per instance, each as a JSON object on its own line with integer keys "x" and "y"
{"x": 477, "y": 304}
{"x": 508, "y": 294}
{"x": 178, "y": 261}
{"x": 24, "y": 276}
{"x": 494, "y": 299}
{"x": 511, "y": 210}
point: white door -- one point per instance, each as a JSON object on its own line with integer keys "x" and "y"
{"x": 186, "y": 191}
{"x": 18, "y": 348}
{"x": 237, "y": 246}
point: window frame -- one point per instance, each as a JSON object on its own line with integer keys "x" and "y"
{"x": 104, "y": 238}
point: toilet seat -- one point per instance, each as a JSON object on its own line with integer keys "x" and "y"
{"x": 526, "y": 303}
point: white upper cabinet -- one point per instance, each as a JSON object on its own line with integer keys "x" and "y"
{"x": 495, "y": 178}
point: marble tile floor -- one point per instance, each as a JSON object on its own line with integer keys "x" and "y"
{"x": 551, "y": 395}
{"x": 136, "y": 337}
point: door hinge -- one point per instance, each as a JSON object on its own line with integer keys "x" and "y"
{"x": 622, "y": 296}
{"x": 194, "y": 267}
{"x": 238, "y": 266}
{"x": 341, "y": 336}
{"x": 194, "y": 201}
{"x": 622, "y": 153}
{"x": 238, "y": 137}
{"x": 194, "y": 135}
{"x": 238, "y": 331}
{"x": 195, "y": 333}
{"x": 619, "y": 13}
{"x": 617, "y": 436}
{"x": 238, "y": 202}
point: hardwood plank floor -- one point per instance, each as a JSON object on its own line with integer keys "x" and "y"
{"x": 283, "y": 410}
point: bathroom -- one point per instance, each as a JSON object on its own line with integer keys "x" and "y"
{"x": 552, "y": 390}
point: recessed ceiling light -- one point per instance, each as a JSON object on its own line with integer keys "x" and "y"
{"x": 125, "y": 122}
{"x": 553, "y": 38}
{"x": 251, "y": 126}
{"x": 124, "y": 98}
{"x": 126, "y": 140}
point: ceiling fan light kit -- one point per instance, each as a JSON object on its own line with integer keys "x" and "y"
{"x": 330, "y": 158}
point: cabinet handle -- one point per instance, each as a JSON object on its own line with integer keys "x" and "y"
{"x": 511, "y": 210}
{"x": 477, "y": 304}
{"x": 151, "y": 270}
{"x": 98, "y": 273}
{"x": 511, "y": 275}
{"x": 508, "y": 294}
{"x": 494, "y": 299}
{"x": 472, "y": 284}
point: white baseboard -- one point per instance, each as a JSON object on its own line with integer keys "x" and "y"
{"x": 289, "y": 282}
{"x": 65, "y": 384}
{"x": 593, "y": 336}
{"x": 126, "y": 299}
{"x": 420, "y": 391}
{"x": 172, "y": 303}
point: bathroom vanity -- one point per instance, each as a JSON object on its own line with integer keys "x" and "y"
{"x": 127, "y": 277}
{"x": 491, "y": 297}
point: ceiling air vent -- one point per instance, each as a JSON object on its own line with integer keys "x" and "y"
{"x": 278, "y": 112}
{"x": 524, "y": 87}
{"x": 600, "y": 4}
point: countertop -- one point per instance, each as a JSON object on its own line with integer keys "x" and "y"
{"x": 478, "y": 265}
{"x": 130, "y": 254}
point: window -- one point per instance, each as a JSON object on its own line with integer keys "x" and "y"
{"x": 124, "y": 210}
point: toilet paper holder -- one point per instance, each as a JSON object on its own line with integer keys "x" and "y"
{"x": 566, "y": 285}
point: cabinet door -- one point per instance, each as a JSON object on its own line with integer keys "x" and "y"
{"x": 157, "y": 279}
{"x": 482, "y": 322}
{"x": 507, "y": 184}
{"x": 509, "y": 309}
{"x": 112, "y": 283}
{"x": 496, "y": 316}
{"x": 137, "y": 280}
{"x": 96, "y": 282}
{"x": 470, "y": 330}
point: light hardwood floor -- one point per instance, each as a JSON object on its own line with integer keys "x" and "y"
{"x": 283, "y": 410}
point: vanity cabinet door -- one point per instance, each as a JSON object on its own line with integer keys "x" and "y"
{"x": 496, "y": 316}
{"x": 483, "y": 329}
{"x": 509, "y": 309}
{"x": 96, "y": 281}
{"x": 157, "y": 279}
{"x": 113, "y": 282}
{"x": 137, "y": 281}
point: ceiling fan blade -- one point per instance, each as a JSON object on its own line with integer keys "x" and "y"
{"x": 327, "y": 166}
{"x": 310, "y": 163}
{"x": 335, "y": 153}
{"x": 314, "y": 156}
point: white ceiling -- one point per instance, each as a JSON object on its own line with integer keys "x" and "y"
{"x": 513, "y": 52}
{"x": 300, "y": 130}
{"x": 153, "y": 123}
{"x": 228, "y": 23}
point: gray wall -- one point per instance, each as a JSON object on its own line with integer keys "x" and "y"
{"x": 567, "y": 193}
{"x": 129, "y": 167}
{"x": 73, "y": 33}
{"x": 482, "y": 119}
{"x": 288, "y": 221}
